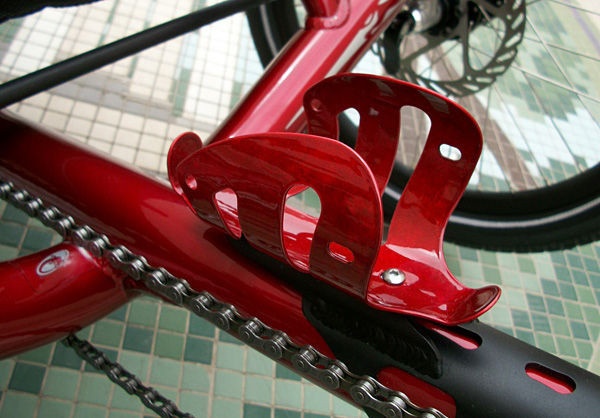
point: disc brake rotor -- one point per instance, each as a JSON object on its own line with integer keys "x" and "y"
{"x": 457, "y": 48}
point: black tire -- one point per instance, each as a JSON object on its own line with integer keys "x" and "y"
{"x": 550, "y": 218}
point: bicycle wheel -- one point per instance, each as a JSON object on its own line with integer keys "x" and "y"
{"x": 537, "y": 185}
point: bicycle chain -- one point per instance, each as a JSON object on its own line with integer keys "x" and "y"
{"x": 307, "y": 361}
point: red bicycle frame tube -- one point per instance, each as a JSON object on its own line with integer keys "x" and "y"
{"x": 335, "y": 37}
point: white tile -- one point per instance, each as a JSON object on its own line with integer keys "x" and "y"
{"x": 132, "y": 122}
{"x": 61, "y": 104}
{"x": 156, "y": 127}
{"x": 109, "y": 116}
{"x": 79, "y": 126}
{"x": 126, "y": 154}
{"x": 103, "y": 131}
{"x": 147, "y": 160}
{"x": 85, "y": 110}
{"x": 55, "y": 120}
{"x": 127, "y": 137}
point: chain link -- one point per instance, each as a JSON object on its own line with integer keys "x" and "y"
{"x": 307, "y": 361}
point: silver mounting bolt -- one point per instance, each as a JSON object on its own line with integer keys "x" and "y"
{"x": 393, "y": 276}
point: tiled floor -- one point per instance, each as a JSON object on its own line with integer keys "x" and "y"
{"x": 132, "y": 110}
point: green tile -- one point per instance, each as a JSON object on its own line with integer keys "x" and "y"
{"x": 540, "y": 322}
{"x": 454, "y": 266}
{"x": 137, "y": 364}
{"x": 526, "y": 264}
{"x": 580, "y": 277}
{"x": 591, "y": 314}
{"x": 511, "y": 279}
{"x": 287, "y": 413}
{"x": 121, "y": 414}
{"x": 231, "y": 357}
{"x": 536, "y": 303}
{"x": 39, "y": 355}
{"x": 560, "y": 326}
{"x": 119, "y": 314}
{"x": 169, "y": 345}
{"x": 94, "y": 389}
{"x": 288, "y": 393}
{"x": 228, "y": 384}
{"x": 311, "y": 415}
{"x": 256, "y": 411}
{"x": 563, "y": 274}
{"x": 226, "y": 338}
{"x": 546, "y": 343}
{"x": 194, "y": 403}
{"x": 566, "y": 347}
{"x": 558, "y": 257}
{"x": 515, "y": 299}
{"x": 123, "y": 400}
{"x": 567, "y": 291}
{"x": 573, "y": 310}
{"x": 471, "y": 270}
{"x": 585, "y": 295}
{"x": 585, "y": 350}
{"x": 66, "y": 357}
{"x": 574, "y": 260}
{"x": 452, "y": 250}
{"x": 18, "y": 405}
{"x": 316, "y": 399}
{"x": 196, "y": 378}
{"x": 520, "y": 318}
{"x": 143, "y": 313}
{"x": 50, "y": 408}
{"x": 173, "y": 319}
{"x": 86, "y": 411}
{"x": 555, "y": 306}
{"x": 12, "y": 214}
{"x": 467, "y": 253}
{"x": 198, "y": 350}
{"x": 165, "y": 372}
{"x": 508, "y": 261}
{"x": 492, "y": 275}
{"x": 8, "y": 253}
{"x": 258, "y": 389}
{"x": 591, "y": 265}
{"x": 61, "y": 383}
{"x": 531, "y": 283}
{"x": 258, "y": 363}
{"x": 27, "y": 378}
{"x": 343, "y": 409}
{"x": 226, "y": 408}
{"x": 526, "y": 336}
{"x": 108, "y": 333}
{"x": 550, "y": 287}
{"x": 199, "y": 326}
{"x": 138, "y": 339}
{"x": 283, "y": 372}
{"x": 11, "y": 234}
{"x": 579, "y": 330}
{"x": 6, "y": 368}
{"x": 37, "y": 239}
{"x": 488, "y": 257}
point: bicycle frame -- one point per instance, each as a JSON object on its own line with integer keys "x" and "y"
{"x": 153, "y": 221}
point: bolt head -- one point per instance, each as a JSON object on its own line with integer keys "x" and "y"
{"x": 393, "y": 276}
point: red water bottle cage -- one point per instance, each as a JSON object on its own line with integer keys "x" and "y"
{"x": 240, "y": 185}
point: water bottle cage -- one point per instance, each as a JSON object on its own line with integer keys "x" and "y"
{"x": 240, "y": 185}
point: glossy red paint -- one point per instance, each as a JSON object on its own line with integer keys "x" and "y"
{"x": 417, "y": 390}
{"x": 50, "y": 294}
{"x": 275, "y": 102}
{"x": 414, "y": 243}
{"x": 261, "y": 169}
{"x": 150, "y": 219}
